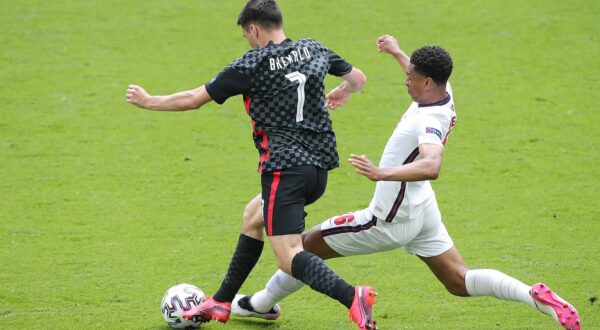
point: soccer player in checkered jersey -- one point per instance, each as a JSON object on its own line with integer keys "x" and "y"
{"x": 282, "y": 83}
{"x": 403, "y": 211}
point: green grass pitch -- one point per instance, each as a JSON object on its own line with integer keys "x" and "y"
{"x": 104, "y": 206}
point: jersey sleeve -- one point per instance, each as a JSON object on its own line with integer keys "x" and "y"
{"x": 429, "y": 130}
{"x": 228, "y": 83}
{"x": 337, "y": 65}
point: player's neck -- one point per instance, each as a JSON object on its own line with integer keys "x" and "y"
{"x": 275, "y": 36}
{"x": 435, "y": 96}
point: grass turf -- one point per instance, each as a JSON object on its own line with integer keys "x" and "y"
{"x": 105, "y": 206}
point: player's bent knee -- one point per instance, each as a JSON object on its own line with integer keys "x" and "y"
{"x": 308, "y": 238}
{"x": 285, "y": 265}
{"x": 456, "y": 284}
{"x": 457, "y": 290}
{"x": 252, "y": 217}
{"x": 252, "y": 221}
{"x": 314, "y": 243}
{"x": 284, "y": 259}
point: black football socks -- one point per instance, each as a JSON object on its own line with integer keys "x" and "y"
{"x": 244, "y": 258}
{"x": 313, "y": 271}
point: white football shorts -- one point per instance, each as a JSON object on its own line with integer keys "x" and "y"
{"x": 360, "y": 232}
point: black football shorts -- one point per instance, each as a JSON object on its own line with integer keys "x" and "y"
{"x": 285, "y": 193}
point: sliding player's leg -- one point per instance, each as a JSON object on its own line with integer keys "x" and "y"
{"x": 450, "y": 269}
{"x": 460, "y": 281}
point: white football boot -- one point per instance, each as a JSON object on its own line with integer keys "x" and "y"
{"x": 240, "y": 306}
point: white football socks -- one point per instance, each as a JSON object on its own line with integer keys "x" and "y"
{"x": 279, "y": 286}
{"x": 479, "y": 282}
{"x": 490, "y": 282}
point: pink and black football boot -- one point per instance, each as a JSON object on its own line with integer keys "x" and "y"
{"x": 362, "y": 308}
{"x": 210, "y": 309}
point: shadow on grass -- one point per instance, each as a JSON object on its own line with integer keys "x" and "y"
{"x": 256, "y": 323}
{"x": 252, "y": 323}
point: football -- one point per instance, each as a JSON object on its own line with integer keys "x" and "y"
{"x": 177, "y": 299}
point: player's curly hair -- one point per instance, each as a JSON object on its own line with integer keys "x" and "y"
{"x": 434, "y": 62}
{"x": 265, "y": 13}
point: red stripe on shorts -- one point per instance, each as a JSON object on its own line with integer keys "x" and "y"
{"x": 274, "y": 185}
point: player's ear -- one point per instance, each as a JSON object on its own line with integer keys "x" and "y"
{"x": 429, "y": 83}
{"x": 253, "y": 29}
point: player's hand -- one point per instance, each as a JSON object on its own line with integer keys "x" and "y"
{"x": 137, "y": 96}
{"x": 365, "y": 167}
{"x": 337, "y": 97}
{"x": 388, "y": 44}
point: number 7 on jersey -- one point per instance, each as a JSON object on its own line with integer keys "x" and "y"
{"x": 301, "y": 79}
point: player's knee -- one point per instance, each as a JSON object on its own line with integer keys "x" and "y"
{"x": 307, "y": 238}
{"x": 311, "y": 238}
{"x": 252, "y": 218}
{"x": 456, "y": 283}
{"x": 457, "y": 289}
{"x": 285, "y": 264}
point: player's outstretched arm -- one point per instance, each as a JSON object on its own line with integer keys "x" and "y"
{"x": 353, "y": 82}
{"x": 426, "y": 168}
{"x": 181, "y": 101}
{"x": 389, "y": 45}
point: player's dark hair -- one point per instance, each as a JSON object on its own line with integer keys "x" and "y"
{"x": 265, "y": 13}
{"x": 434, "y": 62}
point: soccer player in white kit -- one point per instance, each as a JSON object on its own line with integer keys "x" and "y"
{"x": 403, "y": 211}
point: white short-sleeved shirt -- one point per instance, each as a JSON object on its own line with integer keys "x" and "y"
{"x": 420, "y": 124}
